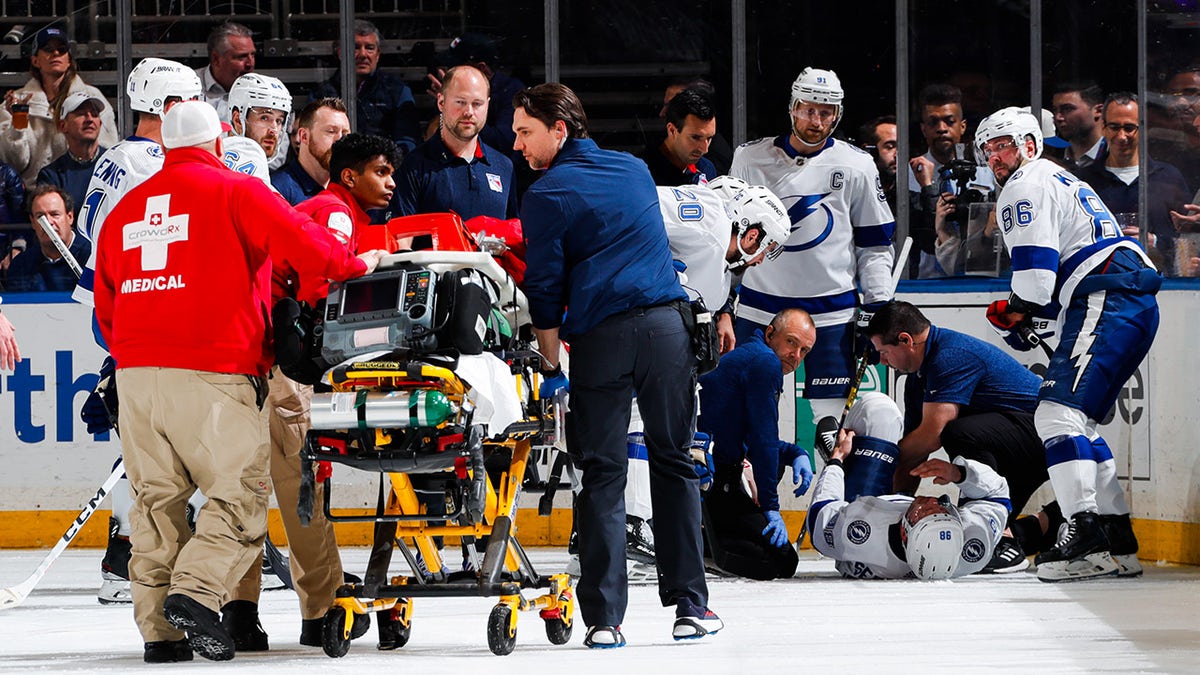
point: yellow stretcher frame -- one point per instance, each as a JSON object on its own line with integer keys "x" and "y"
{"x": 505, "y": 571}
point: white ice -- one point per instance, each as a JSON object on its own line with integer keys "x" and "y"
{"x": 814, "y": 623}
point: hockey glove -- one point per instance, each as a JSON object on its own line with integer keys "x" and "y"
{"x": 802, "y": 473}
{"x": 826, "y": 437}
{"x": 552, "y": 382}
{"x": 776, "y": 531}
{"x": 702, "y": 459}
{"x": 1016, "y": 332}
{"x": 95, "y": 413}
{"x": 862, "y": 343}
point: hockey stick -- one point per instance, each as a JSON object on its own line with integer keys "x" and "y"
{"x": 61, "y": 246}
{"x": 15, "y": 595}
{"x": 827, "y": 434}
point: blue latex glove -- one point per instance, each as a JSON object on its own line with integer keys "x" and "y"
{"x": 802, "y": 473}
{"x": 552, "y": 384}
{"x": 679, "y": 265}
{"x": 776, "y": 531}
{"x": 93, "y": 413}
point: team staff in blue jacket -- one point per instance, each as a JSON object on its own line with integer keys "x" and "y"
{"x": 455, "y": 170}
{"x": 739, "y": 408}
{"x": 596, "y": 243}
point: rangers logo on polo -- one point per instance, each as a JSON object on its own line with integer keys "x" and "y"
{"x": 155, "y": 232}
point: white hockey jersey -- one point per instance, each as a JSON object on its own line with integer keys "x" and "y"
{"x": 245, "y": 156}
{"x": 698, "y": 231}
{"x": 123, "y": 167}
{"x": 1056, "y": 229}
{"x": 859, "y": 535}
{"x": 841, "y": 231}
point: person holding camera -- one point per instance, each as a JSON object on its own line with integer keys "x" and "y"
{"x": 942, "y": 177}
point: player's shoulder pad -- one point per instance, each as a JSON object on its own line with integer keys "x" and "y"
{"x": 857, "y": 149}
{"x": 757, "y": 141}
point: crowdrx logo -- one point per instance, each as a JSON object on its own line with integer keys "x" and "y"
{"x": 155, "y": 232}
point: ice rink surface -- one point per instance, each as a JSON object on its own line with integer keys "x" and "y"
{"x": 814, "y": 623}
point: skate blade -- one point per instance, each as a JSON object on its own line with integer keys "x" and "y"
{"x": 1090, "y": 566}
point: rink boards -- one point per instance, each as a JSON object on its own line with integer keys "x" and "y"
{"x": 51, "y": 465}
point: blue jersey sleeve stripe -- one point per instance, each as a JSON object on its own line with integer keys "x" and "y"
{"x": 88, "y": 279}
{"x": 814, "y": 510}
{"x": 774, "y": 304}
{"x": 874, "y": 235}
{"x": 1034, "y": 258}
{"x": 999, "y": 500}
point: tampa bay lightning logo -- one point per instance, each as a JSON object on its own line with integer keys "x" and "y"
{"x": 858, "y": 532}
{"x": 972, "y": 551}
{"x": 154, "y": 150}
{"x": 806, "y": 235}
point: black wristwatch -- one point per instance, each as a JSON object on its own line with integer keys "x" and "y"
{"x": 552, "y": 373}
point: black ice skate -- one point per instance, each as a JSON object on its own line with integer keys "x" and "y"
{"x": 1123, "y": 544}
{"x": 114, "y": 568}
{"x": 1082, "y": 554}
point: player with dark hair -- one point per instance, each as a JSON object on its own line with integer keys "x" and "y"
{"x": 1070, "y": 261}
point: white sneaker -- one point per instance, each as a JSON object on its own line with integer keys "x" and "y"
{"x": 114, "y": 590}
{"x": 1090, "y": 566}
{"x": 693, "y": 622}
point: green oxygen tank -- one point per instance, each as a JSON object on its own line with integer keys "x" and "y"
{"x": 380, "y": 410}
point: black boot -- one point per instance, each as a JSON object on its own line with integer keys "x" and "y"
{"x": 205, "y": 633}
{"x": 240, "y": 619}
{"x": 1085, "y": 535}
{"x": 168, "y": 651}
{"x": 1124, "y": 544}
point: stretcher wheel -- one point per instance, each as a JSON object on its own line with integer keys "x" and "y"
{"x": 392, "y": 633}
{"x": 501, "y": 634}
{"x": 333, "y": 634}
{"x": 558, "y": 631}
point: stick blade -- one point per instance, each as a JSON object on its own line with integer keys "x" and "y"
{"x": 11, "y": 597}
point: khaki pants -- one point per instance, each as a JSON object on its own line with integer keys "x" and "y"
{"x": 182, "y": 430}
{"x": 315, "y": 563}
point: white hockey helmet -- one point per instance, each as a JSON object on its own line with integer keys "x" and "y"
{"x": 255, "y": 90}
{"x": 756, "y": 206}
{"x": 817, "y": 86}
{"x": 1012, "y": 122}
{"x": 727, "y": 186}
{"x": 933, "y": 538}
{"x": 153, "y": 81}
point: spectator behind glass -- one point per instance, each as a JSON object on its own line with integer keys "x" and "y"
{"x": 13, "y": 240}
{"x": 1114, "y": 176}
{"x": 679, "y": 159}
{"x": 80, "y": 125}
{"x": 878, "y": 137}
{"x": 719, "y": 151}
{"x": 943, "y": 127}
{"x": 42, "y": 267}
{"x": 1076, "y": 107}
{"x": 319, "y": 125}
{"x": 230, "y": 55}
{"x": 384, "y": 104}
{"x": 52, "y": 79}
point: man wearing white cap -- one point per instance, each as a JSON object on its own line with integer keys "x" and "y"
{"x": 193, "y": 238}
{"x": 80, "y": 123}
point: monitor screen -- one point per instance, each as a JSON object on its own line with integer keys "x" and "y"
{"x": 363, "y": 296}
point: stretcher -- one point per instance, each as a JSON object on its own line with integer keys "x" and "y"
{"x": 457, "y": 425}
